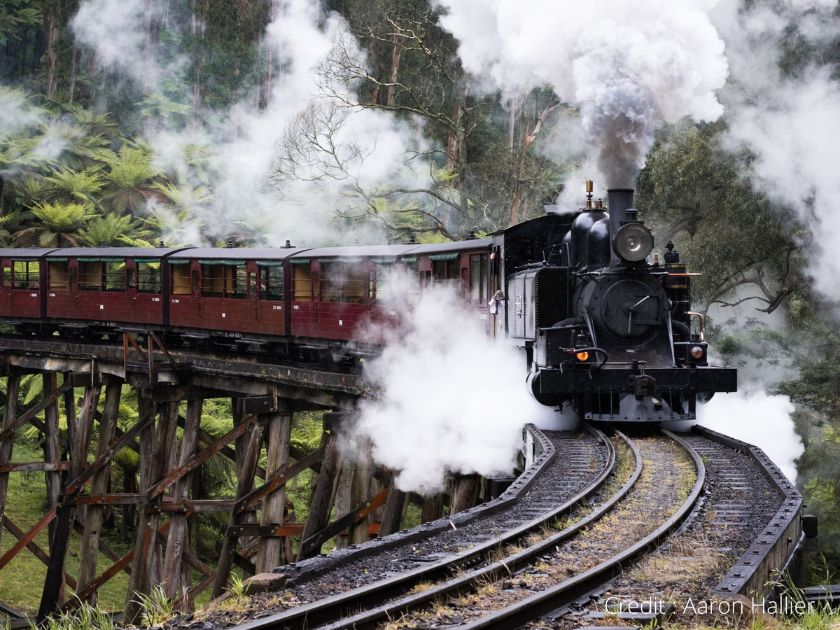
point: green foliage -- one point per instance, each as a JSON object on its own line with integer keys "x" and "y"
{"x": 81, "y": 186}
{"x": 236, "y": 586}
{"x": 156, "y": 607}
{"x": 16, "y": 16}
{"x": 85, "y": 617}
{"x": 698, "y": 197}
{"x": 56, "y": 225}
{"x": 112, "y": 230}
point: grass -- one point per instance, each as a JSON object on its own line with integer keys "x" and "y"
{"x": 156, "y": 607}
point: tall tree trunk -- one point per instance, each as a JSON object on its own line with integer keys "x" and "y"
{"x": 71, "y": 87}
{"x": 50, "y": 14}
{"x": 396, "y": 53}
{"x": 151, "y": 41}
{"x": 456, "y": 147}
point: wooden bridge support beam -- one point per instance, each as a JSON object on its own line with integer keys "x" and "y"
{"x": 244, "y": 486}
{"x": 465, "y": 489}
{"x": 360, "y": 491}
{"x": 323, "y": 496}
{"x": 80, "y": 431}
{"x": 140, "y": 581}
{"x": 52, "y": 447}
{"x": 392, "y": 516}
{"x": 12, "y": 392}
{"x": 275, "y": 550}
{"x": 172, "y": 578}
{"x": 99, "y": 485}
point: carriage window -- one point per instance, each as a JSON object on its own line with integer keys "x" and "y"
{"x": 478, "y": 278}
{"x": 26, "y": 274}
{"x": 181, "y": 281}
{"x": 382, "y": 291}
{"x": 115, "y": 276}
{"x": 90, "y": 276}
{"x": 343, "y": 282}
{"x": 224, "y": 280}
{"x": 271, "y": 282}
{"x": 303, "y": 282}
{"x": 59, "y": 276}
{"x": 148, "y": 277}
{"x": 446, "y": 271}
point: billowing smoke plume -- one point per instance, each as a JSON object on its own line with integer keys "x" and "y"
{"x": 451, "y": 399}
{"x": 628, "y": 66}
{"x": 787, "y": 117}
{"x": 258, "y": 171}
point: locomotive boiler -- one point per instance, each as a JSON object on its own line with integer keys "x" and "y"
{"x": 604, "y": 328}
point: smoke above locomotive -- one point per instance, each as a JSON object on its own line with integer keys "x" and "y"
{"x": 601, "y": 325}
{"x": 628, "y": 67}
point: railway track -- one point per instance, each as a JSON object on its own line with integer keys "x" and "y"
{"x": 647, "y": 500}
{"x": 556, "y": 537}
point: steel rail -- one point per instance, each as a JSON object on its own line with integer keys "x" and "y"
{"x": 564, "y": 593}
{"x": 327, "y": 610}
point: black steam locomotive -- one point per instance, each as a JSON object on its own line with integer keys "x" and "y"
{"x": 604, "y": 329}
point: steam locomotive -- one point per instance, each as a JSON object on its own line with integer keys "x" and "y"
{"x": 602, "y": 328}
{"x": 599, "y": 327}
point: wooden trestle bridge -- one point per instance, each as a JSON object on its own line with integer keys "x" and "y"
{"x": 160, "y": 498}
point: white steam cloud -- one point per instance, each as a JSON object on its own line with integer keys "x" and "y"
{"x": 47, "y": 137}
{"x": 451, "y": 400}
{"x": 256, "y": 170}
{"x": 116, "y": 30}
{"x": 788, "y": 120}
{"x": 756, "y": 417}
{"x": 628, "y": 66}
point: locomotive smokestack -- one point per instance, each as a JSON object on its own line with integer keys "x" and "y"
{"x": 620, "y": 200}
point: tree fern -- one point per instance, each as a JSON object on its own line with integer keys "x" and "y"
{"x": 113, "y": 229}
{"x": 56, "y": 225}
{"x": 84, "y": 185}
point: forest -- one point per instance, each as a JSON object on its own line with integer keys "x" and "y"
{"x": 249, "y": 122}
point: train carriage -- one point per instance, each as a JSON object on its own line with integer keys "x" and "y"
{"x": 104, "y": 287}
{"x": 229, "y": 293}
{"x": 334, "y": 289}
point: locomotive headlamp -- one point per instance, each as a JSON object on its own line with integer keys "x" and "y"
{"x": 582, "y": 356}
{"x": 633, "y": 242}
{"x": 697, "y": 352}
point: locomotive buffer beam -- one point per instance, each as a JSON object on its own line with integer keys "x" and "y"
{"x": 699, "y": 380}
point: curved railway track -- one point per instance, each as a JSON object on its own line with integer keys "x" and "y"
{"x": 559, "y": 545}
{"x": 526, "y": 545}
